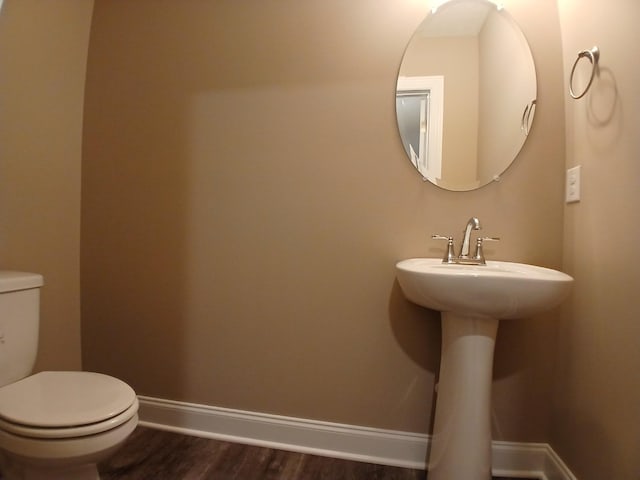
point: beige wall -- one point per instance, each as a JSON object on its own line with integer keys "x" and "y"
{"x": 596, "y": 416}
{"x": 246, "y": 196}
{"x": 43, "y": 52}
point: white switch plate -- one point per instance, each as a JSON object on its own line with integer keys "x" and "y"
{"x": 573, "y": 185}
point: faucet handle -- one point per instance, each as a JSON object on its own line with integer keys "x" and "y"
{"x": 479, "y": 255}
{"x": 449, "y": 256}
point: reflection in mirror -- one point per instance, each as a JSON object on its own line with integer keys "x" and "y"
{"x": 466, "y": 94}
{"x": 420, "y": 99}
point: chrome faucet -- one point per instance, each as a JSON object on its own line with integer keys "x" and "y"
{"x": 464, "y": 257}
{"x": 472, "y": 224}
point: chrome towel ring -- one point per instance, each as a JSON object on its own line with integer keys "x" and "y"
{"x": 593, "y": 55}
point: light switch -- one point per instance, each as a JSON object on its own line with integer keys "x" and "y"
{"x": 573, "y": 185}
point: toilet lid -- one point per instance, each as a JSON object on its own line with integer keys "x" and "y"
{"x": 64, "y": 399}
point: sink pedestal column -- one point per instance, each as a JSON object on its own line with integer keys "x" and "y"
{"x": 461, "y": 447}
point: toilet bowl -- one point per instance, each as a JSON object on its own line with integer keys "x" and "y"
{"x": 53, "y": 425}
{"x": 59, "y": 425}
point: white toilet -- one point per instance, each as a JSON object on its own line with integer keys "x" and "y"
{"x": 53, "y": 425}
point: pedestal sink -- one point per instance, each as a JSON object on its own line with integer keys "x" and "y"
{"x": 472, "y": 299}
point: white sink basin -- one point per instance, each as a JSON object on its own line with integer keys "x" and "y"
{"x": 501, "y": 290}
{"x": 472, "y": 300}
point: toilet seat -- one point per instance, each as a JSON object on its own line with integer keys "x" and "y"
{"x": 70, "y": 432}
{"x": 65, "y": 405}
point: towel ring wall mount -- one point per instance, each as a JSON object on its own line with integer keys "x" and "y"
{"x": 593, "y": 55}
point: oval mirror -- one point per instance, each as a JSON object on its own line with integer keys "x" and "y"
{"x": 466, "y": 94}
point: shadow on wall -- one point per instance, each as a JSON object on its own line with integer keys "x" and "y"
{"x": 587, "y": 439}
{"x": 134, "y": 194}
{"x": 604, "y": 103}
{"x": 416, "y": 329}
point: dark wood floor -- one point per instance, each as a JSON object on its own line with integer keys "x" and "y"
{"x": 157, "y": 455}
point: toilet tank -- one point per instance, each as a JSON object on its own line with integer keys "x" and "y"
{"x": 19, "y": 322}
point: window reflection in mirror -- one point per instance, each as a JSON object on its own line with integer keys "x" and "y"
{"x": 419, "y": 103}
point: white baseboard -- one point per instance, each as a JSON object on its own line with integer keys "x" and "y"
{"x": 352, "y": 442}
